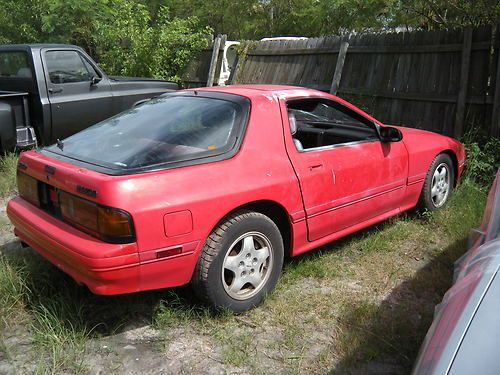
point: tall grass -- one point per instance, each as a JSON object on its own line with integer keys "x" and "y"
{"x": 8, "y": 165}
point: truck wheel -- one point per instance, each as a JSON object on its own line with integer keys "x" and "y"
{"x": 438, "y": 184}
{"x": 240, "y": 262}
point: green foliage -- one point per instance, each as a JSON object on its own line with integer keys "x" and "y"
{"x": 128, "y": 44}
{"x": 436, "y": 14}
{"x": 123, "y": 36}
{"x": 482, "y": 161}
{"x": 254, "y": 19}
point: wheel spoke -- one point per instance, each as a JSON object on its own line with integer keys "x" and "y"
{"x": 434, "y": 191}
{"x": 440, "y": 198}
{"x": 442, "y": 173}
{"x": 248, "y": 244}
{"x": 237, "y": 284}
{"x": 254, "y": 279}
{"x": 261, "y": 254}
{"x": 232, "y": 263}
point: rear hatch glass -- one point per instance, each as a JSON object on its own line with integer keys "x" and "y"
{"x": 169, "y": 131}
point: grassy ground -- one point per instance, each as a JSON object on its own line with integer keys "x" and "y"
{"x": 359, "y": 305}
{"x": 7, "y": 174}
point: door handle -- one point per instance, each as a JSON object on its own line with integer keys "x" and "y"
{"x": 315, "y": 167}
{"x": 55, "y": 91}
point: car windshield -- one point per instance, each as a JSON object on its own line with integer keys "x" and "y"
{"x": 167, "y": 129}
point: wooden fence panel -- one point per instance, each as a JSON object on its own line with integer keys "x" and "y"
{"x": 198, "y": 71}
{"x": 441, "y": 80}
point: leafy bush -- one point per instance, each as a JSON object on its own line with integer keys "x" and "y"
{"x": 122, "y": 35}
{"x": 482, "y": 161}
{"x": 128, "y": 43}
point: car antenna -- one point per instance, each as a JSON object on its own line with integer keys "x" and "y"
{"x": 60, "y": 144}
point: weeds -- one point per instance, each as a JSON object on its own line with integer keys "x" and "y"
{"x": 8, "y": 165}
{"x": 482, "y": 160}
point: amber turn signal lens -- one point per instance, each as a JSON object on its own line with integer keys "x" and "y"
{"x": 114, "y": 223}
{"x": 28, "y": 188}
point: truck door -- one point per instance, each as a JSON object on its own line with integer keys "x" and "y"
{"x": 346, "y": 174}
{"x": 77, "y": 99}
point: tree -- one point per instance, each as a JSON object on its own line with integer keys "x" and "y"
{"x": 129, "y": 43}
{"x": 120, "y": 34}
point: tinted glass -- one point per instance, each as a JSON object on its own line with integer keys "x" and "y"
{"x": 14, "y": 64}
{"x": 164, "y": 130}
{"x": 67, "y": 67}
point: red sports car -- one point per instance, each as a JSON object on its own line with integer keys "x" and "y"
{"x": 214, "y": 186}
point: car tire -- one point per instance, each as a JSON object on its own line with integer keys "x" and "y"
{"x": 438, "y": 184}
{"x": 240, "y": 262}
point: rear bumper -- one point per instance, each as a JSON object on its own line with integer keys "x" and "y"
{"x": 103, "y": 267}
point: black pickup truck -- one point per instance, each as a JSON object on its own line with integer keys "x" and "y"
{"x": 50, "y": 91}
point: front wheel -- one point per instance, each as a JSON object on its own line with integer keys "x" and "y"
{"x": 240, "y": 262}
{"x": 438, "y": 184}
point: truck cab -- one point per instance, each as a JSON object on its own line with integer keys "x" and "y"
{"x": 51, "y": 91}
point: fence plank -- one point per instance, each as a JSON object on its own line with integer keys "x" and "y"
{"x": 338, "y": 68}
{"x": 495, "y": 117}
{"x": 213, "y": 61}
{"x": 464, "y": 82}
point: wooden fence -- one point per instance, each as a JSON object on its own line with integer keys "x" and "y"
{"x": 444, "y": 81}
{"x": 205, "y": 70}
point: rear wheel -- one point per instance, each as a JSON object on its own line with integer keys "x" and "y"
{"x": 240, "y": 262}
{"x": 438, "y": 184}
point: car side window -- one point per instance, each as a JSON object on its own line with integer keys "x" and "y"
{"x": 317, "y": 122}
{"x": 68, "y": 67}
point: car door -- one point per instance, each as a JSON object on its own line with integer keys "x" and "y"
{"x": 76, "y": 101}
{"x": 346, "y": 174}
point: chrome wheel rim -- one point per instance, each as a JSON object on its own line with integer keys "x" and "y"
{"x": 440, "y": 186}
{"x": 247, "y": 265}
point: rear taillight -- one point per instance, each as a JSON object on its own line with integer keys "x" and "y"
{"x": 28, "y": 188}
{"x": 106, "y": 223}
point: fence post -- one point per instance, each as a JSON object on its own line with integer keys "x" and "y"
{"x": 214, "y": 60}
{"x": 338, "y": 68}
{"x": 464, "y": 83}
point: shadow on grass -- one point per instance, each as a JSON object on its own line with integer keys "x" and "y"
{"x": 52, "y": 293}
{"x": 385, "y": 338}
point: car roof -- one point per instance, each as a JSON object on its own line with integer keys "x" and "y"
{"x": 253, "y": 90}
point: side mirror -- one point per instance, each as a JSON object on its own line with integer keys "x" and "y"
{"x": 95, "y": 80}
{"x": 390, "y": 134}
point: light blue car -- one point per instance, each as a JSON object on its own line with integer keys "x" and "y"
{"x": 464, "y": 337}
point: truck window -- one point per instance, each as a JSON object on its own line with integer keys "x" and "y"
{"x": 68, "y": 67}
{"x": 14, "y": 64}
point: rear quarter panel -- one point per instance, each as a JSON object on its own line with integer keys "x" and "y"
{"x": 207, "y": 192}
{"x": 259, "y": 171}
